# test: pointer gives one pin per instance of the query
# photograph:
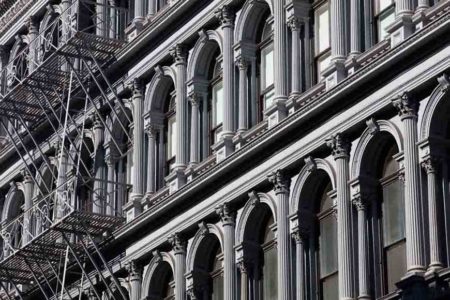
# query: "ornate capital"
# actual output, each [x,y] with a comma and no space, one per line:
[134,269]
[280,181]
[300,234]
[225,15]
[406,106]
[294,24]
[190,292]
[179,53]
[194,99]
[98,124]
[340,146]
[361,201]
[33,24]
[26,175]
[150,130]
[137,87]
[178,245]
[226,214]
[110,160]
[243,266]
[242,63]
[430,165]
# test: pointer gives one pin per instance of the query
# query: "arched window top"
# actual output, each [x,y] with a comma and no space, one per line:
[267,29]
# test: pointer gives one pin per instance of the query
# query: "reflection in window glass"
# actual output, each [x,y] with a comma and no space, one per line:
[268,66]
[218,104]
[385,19]
[172,140]
[328,246]
[323,41]
[393,213]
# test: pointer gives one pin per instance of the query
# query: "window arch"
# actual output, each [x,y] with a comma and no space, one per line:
[162,284]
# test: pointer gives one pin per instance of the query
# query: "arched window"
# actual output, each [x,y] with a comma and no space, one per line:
[216,104]
[322,40]
[392,213]
[266,66]
[327,242]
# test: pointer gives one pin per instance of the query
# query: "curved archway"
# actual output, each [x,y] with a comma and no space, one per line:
[158,283]
[249,18]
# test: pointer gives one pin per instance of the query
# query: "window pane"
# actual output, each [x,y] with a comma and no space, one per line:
[383,4]
[218,104]
[267,66]
[323,23]
[385,19]
[270,274]
[328,246]
[395,265]
[217,292]
[322,63]
[393,213]
[330,288]
[171,137]
[268,98]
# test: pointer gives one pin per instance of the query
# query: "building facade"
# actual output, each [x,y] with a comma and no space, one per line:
[225,149]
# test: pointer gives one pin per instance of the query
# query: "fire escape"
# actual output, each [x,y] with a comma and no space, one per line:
[51,94]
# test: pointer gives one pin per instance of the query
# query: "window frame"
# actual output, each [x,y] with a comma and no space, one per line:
[170,118]
[379,14]
[214,128]
[325,54]
[264,89]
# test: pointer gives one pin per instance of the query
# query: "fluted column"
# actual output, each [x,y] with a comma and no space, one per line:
[430,165]
[243,94]
[138,13]
[407,109]
[110,205]
[338,39]
[341,152]
[404,8]
[281,185]
[228,223]
[244,280]
[179,249]
[361,204]
[355,27]
[180,56]
[195,101]
[99,186]
[226,17]
[28,203]
[296,88]
[138,143]
[300,236]
[101,17]
[151,159]
[33,32]
[422,5]
[279,51]
[135,278]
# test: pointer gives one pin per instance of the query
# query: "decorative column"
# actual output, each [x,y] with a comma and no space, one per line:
[242,64]
[422,5]
[179,249]
[33,32]
[228,223]
[28,203]
[300,235]
[361,203]
[225,146]
[355,27]
[294,25]
[150,130]
[61,188]
[430,165]
[281,185]
[407,109]
[279,51]
[244,280]
[404,7]
[99,186]
[341,152]
[137,179]
[135,278]
[138,15]
[110,161]
[195,101]
[178,178]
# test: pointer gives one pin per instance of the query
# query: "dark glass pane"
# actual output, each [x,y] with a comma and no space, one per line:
[328,246]
[393,213]
[395,264]
[217,293]
[330,288]
[270,274]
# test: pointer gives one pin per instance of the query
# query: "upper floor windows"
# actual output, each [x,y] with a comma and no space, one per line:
[384,16]
[267,70]
[216,108]
[322,38]
[171,138]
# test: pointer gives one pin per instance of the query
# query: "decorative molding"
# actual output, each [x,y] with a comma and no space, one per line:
[340,146]
[406,106]
[280,181]
[178,245]
[225,15]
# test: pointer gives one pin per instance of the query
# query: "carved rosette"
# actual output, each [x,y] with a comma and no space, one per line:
[178,244]
[137,88]
[430,165]
[340,146]
[179,54]
[225,15]
[280,181]
[227,216]
[406,106]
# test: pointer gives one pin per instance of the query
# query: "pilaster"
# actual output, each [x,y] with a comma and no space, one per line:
[300,235]
[294,24]
[281,184]
[151,131]
[407,109]
[179,249]
[135,278]
[242,65]
[195,100]
[340,147]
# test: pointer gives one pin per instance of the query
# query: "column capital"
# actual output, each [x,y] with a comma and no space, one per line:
[280,181]
[26,175]
[361,201]
[406,106]
[98,124]
[179,53]
[137,87]
[32,24]
[110,160]
[134,269]
[194,99]
[177,243]
[226,214]
[151,130]
[300,234]
[226,15]
[430,164]
[340,146]
[242,63]
[294,24]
